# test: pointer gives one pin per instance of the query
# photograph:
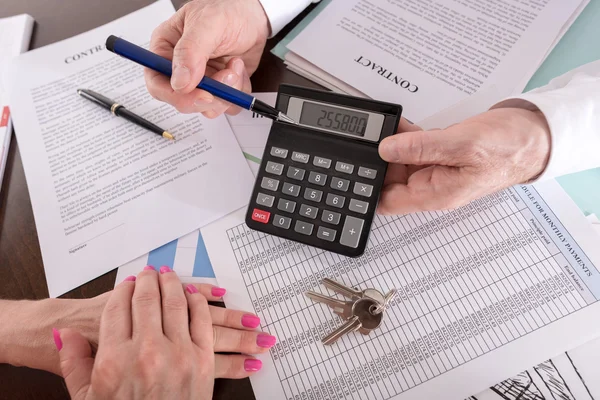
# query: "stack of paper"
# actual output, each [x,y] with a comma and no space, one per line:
[15,34]
[428,56]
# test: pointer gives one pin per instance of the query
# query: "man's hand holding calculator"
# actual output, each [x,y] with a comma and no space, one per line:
[428,170]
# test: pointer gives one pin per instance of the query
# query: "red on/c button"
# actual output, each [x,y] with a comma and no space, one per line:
[260,216]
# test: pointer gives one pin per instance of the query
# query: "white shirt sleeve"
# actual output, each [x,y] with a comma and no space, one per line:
[282,12]
[571,105]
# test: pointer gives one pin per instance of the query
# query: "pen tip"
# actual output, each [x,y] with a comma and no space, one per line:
[167,135]
[285,118]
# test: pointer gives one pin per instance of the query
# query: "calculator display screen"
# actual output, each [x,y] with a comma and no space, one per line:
[332,118]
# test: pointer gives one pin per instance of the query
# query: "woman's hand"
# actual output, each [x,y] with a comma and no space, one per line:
[146,346]
[445,169]
[223,39]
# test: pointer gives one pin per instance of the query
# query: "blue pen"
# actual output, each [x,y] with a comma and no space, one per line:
[160,64]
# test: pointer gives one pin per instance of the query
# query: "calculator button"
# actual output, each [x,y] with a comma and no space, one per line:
[282,222]
[313,195]
[277,152]
[300,157]
[367,173]
[295,173]
[363,189]
[274,168]
[286,205]
[269,184]
[340,184]
[344,167]
[291,190]
[260,216]
[317,179]
[335,200]
[358,206]
[331,217]
[265,200]
[308,211]
[322,162]
[326,234]
[351,232]
[303,227]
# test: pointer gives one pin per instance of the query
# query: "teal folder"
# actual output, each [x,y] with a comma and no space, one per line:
[578,46]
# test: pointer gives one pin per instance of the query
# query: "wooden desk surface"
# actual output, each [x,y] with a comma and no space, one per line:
[21,268]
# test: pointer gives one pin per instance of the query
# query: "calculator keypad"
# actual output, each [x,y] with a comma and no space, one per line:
[326,201]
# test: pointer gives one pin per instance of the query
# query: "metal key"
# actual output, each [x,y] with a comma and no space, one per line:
[353,293]
[361,320]
[340,307]
[378,309]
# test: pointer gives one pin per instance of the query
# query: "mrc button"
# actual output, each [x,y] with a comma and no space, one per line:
[260,216]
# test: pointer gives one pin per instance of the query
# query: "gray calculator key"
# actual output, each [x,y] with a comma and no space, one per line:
[286,205]
[269,184]
[308,211]
[291,190]
[326,234]
[303,227]
[281,221]
[362,189]
[313,195]
[317,178]
[322,162]
[265,200]
[277,152]
[295,173]
[300,157]
[351,232]
[340,184]
[358,206]
[367,173]
[344,167]
[331,217]
[335,201]
[274,168]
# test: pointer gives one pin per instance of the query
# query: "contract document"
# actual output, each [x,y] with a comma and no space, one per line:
[485,292]
[428,55]
[105,191]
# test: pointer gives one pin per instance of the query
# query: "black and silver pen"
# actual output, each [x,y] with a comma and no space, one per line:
[120,111]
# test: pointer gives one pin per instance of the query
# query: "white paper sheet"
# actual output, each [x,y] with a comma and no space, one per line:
[187,255]
[430,55]
[103,190]
[485,292]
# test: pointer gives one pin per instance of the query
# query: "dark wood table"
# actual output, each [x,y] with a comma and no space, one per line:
[21,268]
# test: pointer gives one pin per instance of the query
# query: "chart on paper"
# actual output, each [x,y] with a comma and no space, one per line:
[471,282]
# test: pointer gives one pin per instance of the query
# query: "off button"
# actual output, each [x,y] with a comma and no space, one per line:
[261,216]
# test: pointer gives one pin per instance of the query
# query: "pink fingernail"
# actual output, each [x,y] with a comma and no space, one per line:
[218,291]
[250,321]
[57,339]
[266,341]
[164,269]
[129,279]
[252,365]
[148,268]
[191,289]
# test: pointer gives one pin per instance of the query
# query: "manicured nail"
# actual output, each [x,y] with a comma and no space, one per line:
[201,101]
[164,269]
[230,79]
[57,340]
[149,268]
[238,67]
[218,291]
[250,321]
[266,341]
[129,279]
[388,150]
[181,77]
[252,365]
[191,289]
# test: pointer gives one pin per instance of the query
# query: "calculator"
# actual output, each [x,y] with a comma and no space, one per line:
[320,179]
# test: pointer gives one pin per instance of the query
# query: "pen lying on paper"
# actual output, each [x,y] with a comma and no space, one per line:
[160,64]
[121,111]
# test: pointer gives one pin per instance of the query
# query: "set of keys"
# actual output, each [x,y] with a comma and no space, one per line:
[363,311]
